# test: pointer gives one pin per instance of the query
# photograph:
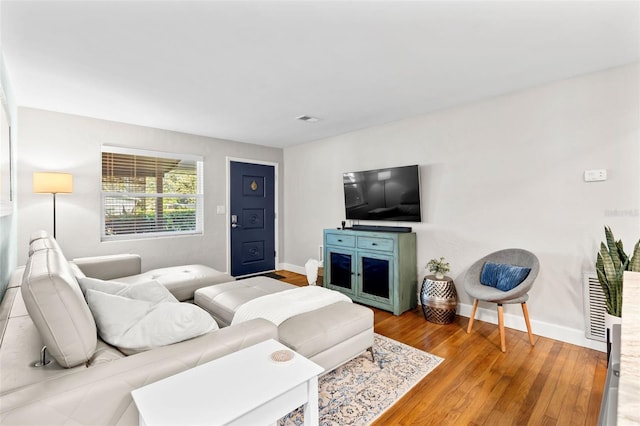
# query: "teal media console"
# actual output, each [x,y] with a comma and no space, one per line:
[373,268]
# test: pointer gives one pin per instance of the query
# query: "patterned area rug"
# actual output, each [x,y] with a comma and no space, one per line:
[359,391]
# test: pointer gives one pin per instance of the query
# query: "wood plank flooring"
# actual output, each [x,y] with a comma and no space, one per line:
[552,383]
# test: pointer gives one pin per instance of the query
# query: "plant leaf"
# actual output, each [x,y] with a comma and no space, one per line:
[624,259]
[608,265]
[634,263]
[618,290]
[612,247]
[604,284]
[612,277]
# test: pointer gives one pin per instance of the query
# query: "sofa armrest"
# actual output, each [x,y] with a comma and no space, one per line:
[111,266]
[101,395]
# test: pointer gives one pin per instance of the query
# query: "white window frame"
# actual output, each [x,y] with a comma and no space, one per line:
[199,196]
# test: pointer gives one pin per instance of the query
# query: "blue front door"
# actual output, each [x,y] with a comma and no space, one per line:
[252,214]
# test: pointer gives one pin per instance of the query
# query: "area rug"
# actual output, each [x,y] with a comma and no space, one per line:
[359,391]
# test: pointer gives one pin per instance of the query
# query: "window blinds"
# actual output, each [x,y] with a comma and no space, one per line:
[145,192]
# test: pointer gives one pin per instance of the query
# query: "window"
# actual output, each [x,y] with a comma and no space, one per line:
[146,193]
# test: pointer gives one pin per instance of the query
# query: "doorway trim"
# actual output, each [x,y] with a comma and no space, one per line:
[228,206]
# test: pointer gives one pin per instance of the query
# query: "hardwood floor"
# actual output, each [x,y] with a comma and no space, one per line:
[552,383]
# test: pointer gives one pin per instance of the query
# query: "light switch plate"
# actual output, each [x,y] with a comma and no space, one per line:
[220,210]
[595,175]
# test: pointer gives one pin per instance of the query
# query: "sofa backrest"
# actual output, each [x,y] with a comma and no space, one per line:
[56,305]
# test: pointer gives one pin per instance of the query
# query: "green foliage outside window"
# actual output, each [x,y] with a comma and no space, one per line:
[144,194]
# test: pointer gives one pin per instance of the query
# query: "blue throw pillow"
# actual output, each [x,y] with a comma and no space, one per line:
[503,277]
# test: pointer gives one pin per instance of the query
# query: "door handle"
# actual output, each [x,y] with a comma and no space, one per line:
[234,221]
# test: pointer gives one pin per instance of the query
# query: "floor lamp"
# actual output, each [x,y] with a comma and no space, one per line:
[52,183]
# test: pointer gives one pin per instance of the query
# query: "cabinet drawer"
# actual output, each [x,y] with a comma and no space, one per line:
[374,243]
[341,240]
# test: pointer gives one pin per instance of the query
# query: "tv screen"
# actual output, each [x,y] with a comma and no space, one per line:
[383,194]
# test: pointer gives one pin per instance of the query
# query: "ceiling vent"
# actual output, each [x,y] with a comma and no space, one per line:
[308,118]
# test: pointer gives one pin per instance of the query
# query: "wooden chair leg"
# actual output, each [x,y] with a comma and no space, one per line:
[525,312]
[473,315]
[503,344]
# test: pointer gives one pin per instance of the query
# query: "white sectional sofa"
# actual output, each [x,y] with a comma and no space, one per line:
[88,381]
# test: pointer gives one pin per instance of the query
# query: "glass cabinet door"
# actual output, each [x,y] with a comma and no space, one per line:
[341,269]
[376,276]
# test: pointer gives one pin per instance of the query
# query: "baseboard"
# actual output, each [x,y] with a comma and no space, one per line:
[540,328]
[292,268]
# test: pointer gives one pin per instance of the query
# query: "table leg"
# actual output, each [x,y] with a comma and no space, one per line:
[311,407]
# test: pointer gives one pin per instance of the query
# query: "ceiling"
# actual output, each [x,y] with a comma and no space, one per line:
[244,70]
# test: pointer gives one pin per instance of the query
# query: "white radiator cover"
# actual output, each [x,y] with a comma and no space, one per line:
[594,307]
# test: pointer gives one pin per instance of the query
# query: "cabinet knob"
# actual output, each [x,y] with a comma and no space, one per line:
[374,244]
[339,241]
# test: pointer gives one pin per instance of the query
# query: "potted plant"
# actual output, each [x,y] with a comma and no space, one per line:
[439,267]
[438,297]
[611,263]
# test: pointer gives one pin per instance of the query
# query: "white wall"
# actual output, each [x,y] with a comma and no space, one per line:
[51,141]
[506,172]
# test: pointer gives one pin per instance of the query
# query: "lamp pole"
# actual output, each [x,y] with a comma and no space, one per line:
[54,215]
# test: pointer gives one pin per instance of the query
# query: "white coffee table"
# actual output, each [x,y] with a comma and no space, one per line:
[243,388]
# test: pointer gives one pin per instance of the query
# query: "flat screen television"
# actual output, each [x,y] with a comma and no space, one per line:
[384,194]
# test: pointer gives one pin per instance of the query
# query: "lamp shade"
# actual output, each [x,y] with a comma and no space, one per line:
[52,183]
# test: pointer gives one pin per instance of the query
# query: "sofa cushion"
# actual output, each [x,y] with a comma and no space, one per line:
[39,234]
[55,303]
[316,331]
[135,325]
[43,244]
[223,300]
[151,291]
[77,272]
[104,354]
[181,281]
[111,287]
[110,267]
